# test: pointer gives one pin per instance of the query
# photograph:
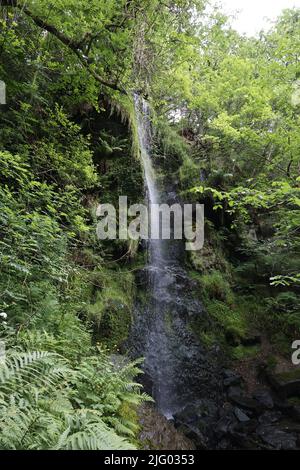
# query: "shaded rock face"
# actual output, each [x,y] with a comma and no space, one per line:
[260,421]
[276,437]
[159,433]
[178,369]
[241,421]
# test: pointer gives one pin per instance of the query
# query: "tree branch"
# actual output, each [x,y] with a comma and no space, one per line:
[74,46]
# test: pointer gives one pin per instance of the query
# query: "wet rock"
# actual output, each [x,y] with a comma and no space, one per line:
[197,413]
[187,416]
[240,415]
[195,435]
[231,381]
[224,444]
[141,276]
[270,417]
[246,403]
[286,384]
[276,438]
[247,427]
[228,373]
[265,398]
[234,391]
[289,426]
[231,378]
[147,383]
[284,406]
[295,412]
[291,388]
[242,441]
[197,422]
[225,425]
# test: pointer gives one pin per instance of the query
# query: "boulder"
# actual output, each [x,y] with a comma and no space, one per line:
[231,378]
[234,391]
[270,417]
[276,438]
[286,384]
[244,402]
[264,398]
[240,415]
[225,425]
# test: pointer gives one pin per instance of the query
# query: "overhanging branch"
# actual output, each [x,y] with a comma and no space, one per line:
[74,46]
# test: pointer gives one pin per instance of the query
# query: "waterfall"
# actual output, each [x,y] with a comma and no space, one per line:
[156,351]
[144,135]
[174,365]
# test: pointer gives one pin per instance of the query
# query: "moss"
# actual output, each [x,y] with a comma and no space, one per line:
[243,352]
[293,374]
[230,319]
[210,258]
[215,286]
[295,401]
[111,309]
[272,363]
[169,322]
[115,325]
[208,339]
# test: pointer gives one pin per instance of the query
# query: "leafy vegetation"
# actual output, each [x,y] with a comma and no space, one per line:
[226,114]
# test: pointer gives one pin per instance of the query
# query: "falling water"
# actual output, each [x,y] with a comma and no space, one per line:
[144,135]
[174,361]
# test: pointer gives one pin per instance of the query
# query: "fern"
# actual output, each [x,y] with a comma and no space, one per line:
[87,431]
[42,404]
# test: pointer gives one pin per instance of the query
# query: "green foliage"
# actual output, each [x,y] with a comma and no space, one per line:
[64,157]
[244,352]
[113,303]
[282,315]
[47,404]
[226,122]
[215,286]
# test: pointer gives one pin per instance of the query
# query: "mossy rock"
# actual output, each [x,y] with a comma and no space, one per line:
[287,384]
[293,374]
[214,286]
[115,324]
[233,336]
[209,259]
[244,352]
